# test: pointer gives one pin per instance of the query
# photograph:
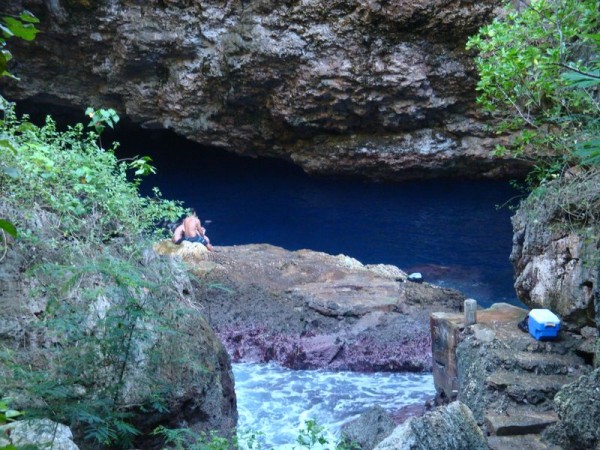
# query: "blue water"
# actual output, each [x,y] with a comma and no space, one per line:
[278,401]
[451,231]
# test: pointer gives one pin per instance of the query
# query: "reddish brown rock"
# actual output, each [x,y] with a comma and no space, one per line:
[308,309]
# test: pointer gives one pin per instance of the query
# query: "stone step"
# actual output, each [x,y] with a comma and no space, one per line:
[541,363]
[528,388]
[519,421]
[523,442]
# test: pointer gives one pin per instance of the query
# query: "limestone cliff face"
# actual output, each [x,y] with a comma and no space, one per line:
[343,87]
[556,248]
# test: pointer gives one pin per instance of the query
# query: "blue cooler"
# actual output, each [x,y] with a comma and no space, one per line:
[543,324]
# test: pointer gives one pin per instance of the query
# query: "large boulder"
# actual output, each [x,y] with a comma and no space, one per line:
[41,433]
[578,407]
[450,427]
[369,429]
[350,87]
[174,371]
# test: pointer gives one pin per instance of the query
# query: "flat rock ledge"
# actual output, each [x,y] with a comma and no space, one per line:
[308,310]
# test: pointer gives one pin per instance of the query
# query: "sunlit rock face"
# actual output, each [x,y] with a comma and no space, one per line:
[555,252]
[371,88]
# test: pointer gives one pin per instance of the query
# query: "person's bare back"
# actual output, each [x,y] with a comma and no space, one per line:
[193,231]
[192,226]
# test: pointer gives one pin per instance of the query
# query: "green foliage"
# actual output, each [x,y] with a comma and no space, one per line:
[87,187]
[311,436]
[186,439]
[22,27]
[101,118]
[538,72]
[102,309]
[7,414]
[7,227]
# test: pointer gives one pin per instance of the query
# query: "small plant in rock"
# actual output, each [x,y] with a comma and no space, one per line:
[186,439]
[313,436]
[8,414]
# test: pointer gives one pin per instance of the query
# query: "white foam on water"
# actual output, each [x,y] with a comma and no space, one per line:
[277,402]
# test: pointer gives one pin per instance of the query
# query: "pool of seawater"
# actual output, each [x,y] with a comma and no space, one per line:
[278,401]
[452,231]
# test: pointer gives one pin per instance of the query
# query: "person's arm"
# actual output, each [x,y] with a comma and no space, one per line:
[199,228]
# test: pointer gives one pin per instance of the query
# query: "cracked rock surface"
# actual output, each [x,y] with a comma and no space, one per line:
[362,88]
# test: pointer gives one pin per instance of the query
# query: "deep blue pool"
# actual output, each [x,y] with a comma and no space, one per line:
[451,231]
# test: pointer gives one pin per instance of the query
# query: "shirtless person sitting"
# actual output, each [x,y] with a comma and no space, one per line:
[193,231]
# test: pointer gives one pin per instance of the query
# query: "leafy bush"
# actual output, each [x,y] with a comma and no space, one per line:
[22,27]
[84,226]
[68,174]
[540,76]
[539,71]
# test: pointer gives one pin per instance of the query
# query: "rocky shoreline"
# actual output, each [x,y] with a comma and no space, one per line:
[311,310]
[308,310]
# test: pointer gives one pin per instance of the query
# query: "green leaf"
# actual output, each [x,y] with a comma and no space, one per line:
[594,37]
[588,152]
[8,227]
[25,31]
[6,31]
[582,80]
[26,16]
[12,172]
[5,55]
[26,126]
[8,144]
[11,413]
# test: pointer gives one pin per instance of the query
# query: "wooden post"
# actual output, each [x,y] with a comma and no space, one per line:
[470,312]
